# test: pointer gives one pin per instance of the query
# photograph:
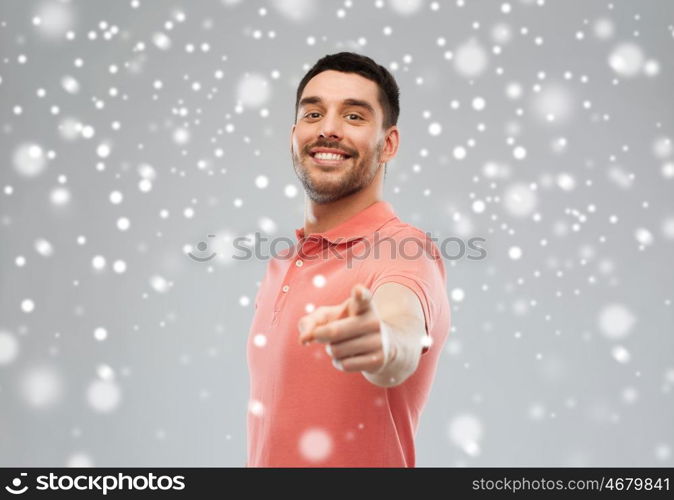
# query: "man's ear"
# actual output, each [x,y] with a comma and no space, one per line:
[393,137]
[292,131]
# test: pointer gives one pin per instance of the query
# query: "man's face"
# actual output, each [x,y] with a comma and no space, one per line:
[334,124]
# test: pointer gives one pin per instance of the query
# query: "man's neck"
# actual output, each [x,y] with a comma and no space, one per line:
[319,218]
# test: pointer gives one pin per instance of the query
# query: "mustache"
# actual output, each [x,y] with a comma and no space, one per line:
[307,151]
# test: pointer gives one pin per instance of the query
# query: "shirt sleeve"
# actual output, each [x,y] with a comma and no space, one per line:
[418,265]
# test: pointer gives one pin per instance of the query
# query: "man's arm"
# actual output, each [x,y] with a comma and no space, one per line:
[381,336]
[403,323]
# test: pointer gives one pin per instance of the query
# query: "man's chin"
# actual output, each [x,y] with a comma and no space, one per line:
[321,193]
[326,180]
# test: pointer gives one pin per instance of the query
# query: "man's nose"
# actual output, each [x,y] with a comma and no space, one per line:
[331,127]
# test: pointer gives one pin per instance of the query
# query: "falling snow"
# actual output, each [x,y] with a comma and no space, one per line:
[147,147]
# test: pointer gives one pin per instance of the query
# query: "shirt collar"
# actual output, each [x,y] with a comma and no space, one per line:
[365,222]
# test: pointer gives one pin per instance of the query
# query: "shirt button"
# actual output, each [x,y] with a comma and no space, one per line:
[285,288]
[299,263]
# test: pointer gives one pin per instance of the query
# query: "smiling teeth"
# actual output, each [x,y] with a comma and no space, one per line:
[329,156]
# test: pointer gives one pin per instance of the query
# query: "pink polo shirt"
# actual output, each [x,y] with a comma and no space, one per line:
[302,411]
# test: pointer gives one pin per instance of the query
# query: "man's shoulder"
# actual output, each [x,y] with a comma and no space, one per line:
[401,231]
[398,240]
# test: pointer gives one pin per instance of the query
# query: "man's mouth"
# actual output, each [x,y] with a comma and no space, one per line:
[329,158]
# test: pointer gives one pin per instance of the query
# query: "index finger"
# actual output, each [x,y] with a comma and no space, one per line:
[345,329]
[309,322]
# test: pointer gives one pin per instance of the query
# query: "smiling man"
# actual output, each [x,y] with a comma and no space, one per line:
[349,324]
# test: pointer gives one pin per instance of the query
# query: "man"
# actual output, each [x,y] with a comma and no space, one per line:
[350,323]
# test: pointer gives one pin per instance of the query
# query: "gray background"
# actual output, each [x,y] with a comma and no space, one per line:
[561,357]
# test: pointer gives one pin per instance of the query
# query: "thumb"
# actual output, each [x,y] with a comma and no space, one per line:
[360,300]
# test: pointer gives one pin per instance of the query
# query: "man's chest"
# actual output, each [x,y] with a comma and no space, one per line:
[290,289]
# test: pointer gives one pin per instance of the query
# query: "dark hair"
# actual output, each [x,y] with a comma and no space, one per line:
[350,62]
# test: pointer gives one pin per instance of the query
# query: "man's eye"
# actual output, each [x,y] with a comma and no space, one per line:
[315,113]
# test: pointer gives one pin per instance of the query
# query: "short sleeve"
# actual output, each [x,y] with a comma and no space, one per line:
[421,271]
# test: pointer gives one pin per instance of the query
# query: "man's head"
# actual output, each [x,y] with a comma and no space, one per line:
[348,103]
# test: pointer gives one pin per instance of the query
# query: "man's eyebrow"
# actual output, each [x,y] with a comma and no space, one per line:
[347,102]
